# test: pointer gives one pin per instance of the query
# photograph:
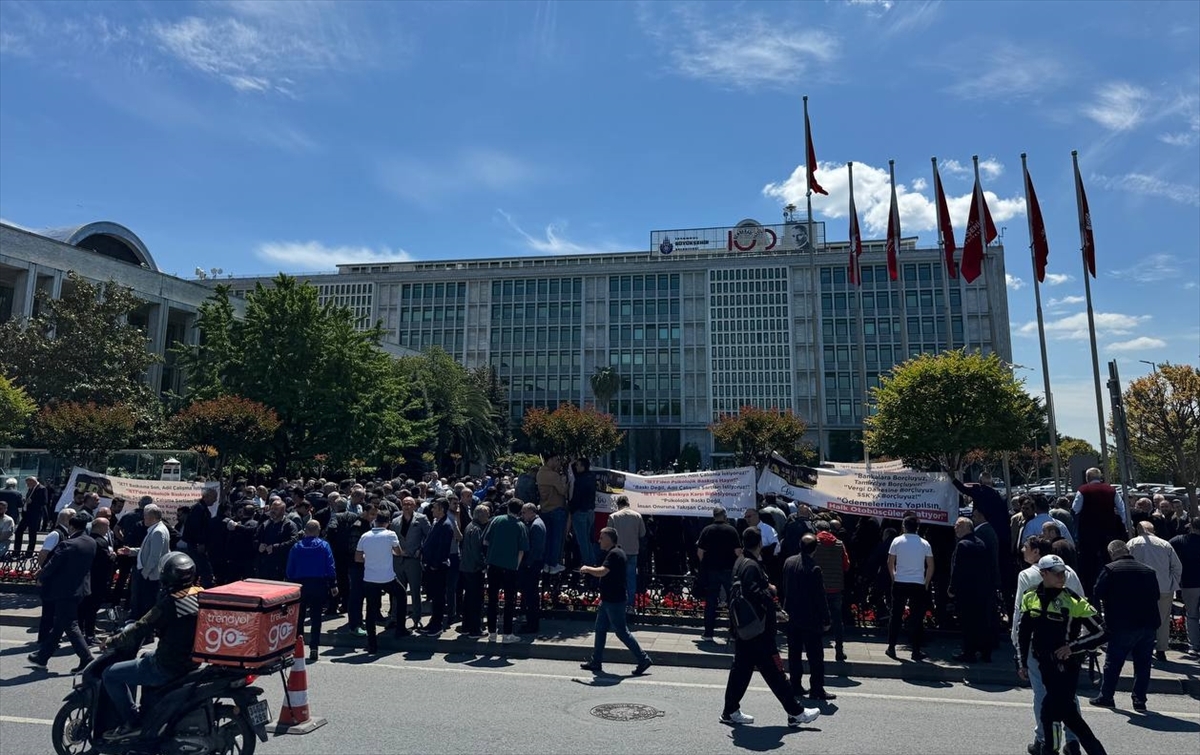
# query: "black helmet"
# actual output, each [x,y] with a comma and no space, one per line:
[176,572]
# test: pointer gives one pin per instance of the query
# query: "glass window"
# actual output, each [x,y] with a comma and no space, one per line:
[924,273]
[868,275]
[910,299]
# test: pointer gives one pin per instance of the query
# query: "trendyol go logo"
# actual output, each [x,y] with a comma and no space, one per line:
[216,638]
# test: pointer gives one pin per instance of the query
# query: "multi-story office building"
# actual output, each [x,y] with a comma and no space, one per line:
[34,266]
[707,321]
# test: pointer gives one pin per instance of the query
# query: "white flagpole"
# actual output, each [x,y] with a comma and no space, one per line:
[815,297]
[862,340]
[895,240]
[942,253]
[1087,290]
[1037,297]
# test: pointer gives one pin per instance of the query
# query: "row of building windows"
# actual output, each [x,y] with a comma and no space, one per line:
[540,311]
[737,300]
[729,406]
[624,309]
[751,371]
[637,284]
[751,351]
[449,340]
[749,274]
[722,392]
[433,290]
[626,334]
[748,288]
[876,276]
[744,318]
[925,301]
[660,357]
[535,361]
[537,287]
[875,328]
[553,336]
[568,384]
[432,314]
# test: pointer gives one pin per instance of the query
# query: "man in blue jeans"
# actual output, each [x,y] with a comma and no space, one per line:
[1129,592]
[310,564]
[610,614]
[631,530]
[583,511]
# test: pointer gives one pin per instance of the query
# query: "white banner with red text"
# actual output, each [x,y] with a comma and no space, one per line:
[167,495]
[686,494]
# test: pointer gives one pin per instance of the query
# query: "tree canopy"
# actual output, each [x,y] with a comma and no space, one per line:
[936,409]
[15,409]
[572,431]
[84,433]
[753,433]
[1162,413]
[232,425]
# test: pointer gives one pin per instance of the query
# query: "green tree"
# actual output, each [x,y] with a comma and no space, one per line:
[207,365]
[15,409]
[235,427]
[1069,447]
[1162,413]
[83,348]
[84,434]
[936,409]
[606,383]
[572,431]
[753,433]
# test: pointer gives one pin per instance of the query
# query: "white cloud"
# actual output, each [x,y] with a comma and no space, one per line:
[742,53]
[919,184]
[1153,268]
[427,181]
[1067,301]
[1151,186]
[1075,326]
[1118,106]
[1014,283]
[1141,343]
[309,256]
[554,242]
[1190,285]
[988,168]
[872,196]
[1007,72]
[1057,279]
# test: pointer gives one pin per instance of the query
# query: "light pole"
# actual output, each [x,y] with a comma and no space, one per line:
[1153,365]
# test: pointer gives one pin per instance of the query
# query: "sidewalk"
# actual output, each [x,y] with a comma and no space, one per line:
[571,640]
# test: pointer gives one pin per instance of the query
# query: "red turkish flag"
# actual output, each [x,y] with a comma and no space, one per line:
[973,244]
[855,242]
[811,157]
[1085,226]
[893,238]
[1037,225]
[948,246]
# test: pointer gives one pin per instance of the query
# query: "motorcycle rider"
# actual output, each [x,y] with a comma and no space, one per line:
[173,621]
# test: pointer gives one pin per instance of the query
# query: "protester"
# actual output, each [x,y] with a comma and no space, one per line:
[36,501]
[972,587]
[758,652]
[310,564]
[610,613]
[530,572]
[631,530]
[1128,591]
[834,561]
[1187,547]
[552,494]
[1099,518]
[1056,627]
[717,549]
[804,601]
[376,551]
[65,581]
[435,561]
[6,529]
[505,542]
[411,527]
[910,562]
[472,567]
[1151,550]
[148,559]
[100,580]
[583,510]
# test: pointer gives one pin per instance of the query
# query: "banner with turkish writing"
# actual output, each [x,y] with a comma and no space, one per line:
[686,494]
[167,495]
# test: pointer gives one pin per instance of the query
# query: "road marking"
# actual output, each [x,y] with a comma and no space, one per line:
[700,685]
[24,720]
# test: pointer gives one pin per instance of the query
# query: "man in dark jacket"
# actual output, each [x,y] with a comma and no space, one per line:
[1187,547]
[1129,592]
[241,544]
[718,547]
[583,511]
[1099,518]
[471,568]
[337,532]
[65,581]
[759,652]
[276,537]
[37,499]
[435,561]
[530,572]
[100,580]
[808,619]
[195,531]
[972,587]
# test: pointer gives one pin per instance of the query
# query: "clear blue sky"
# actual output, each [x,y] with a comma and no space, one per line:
[260,136]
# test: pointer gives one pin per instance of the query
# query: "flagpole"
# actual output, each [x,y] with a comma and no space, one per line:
[937,183]
[862,341]
[899,272]
[1087,290]
[815,296]
[1037,298]
[993,326]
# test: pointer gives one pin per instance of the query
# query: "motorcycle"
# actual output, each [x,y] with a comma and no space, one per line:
[210,711]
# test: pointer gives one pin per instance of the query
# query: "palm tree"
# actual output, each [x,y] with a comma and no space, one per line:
[606,383]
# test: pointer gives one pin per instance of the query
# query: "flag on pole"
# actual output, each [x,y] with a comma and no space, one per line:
[893,236]
[946,226]
[855,237]
[974,243]
[1037,231]
[811,157]
[1085,225]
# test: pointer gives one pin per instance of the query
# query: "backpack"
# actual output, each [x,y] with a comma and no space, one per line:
[744,618]
[527,488]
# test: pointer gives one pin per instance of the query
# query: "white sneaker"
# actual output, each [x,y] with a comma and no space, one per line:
[492,637]
[736,718]
[509,639]
[557,568]
[807,717]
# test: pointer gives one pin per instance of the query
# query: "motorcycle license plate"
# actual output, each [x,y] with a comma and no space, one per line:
[259,712]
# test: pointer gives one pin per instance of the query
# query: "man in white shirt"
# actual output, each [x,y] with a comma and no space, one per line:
[376,551]
[770,538]
[630,532]
[1151,550]
[910,561]
[6,529]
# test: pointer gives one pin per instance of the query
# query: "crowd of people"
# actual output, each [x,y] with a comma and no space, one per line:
[445,551]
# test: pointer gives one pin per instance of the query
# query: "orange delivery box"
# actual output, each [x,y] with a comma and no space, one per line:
[247,624]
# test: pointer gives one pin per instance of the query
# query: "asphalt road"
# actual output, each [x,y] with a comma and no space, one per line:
[455,704]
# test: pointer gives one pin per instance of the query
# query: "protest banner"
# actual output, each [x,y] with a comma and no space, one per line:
[168,496]
[687,494]
[888,490]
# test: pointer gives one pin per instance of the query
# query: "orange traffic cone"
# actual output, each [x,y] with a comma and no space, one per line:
[294,717]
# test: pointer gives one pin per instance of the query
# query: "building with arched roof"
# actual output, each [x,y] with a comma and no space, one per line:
[34,266]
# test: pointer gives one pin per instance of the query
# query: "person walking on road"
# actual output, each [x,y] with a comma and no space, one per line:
[760,651]
[1057,626]
[610,614]
[910,561]
[65,581]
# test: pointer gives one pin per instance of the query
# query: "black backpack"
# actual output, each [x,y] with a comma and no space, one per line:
[745,620]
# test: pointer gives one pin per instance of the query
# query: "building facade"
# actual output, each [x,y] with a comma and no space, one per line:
[708,321]
[34,266]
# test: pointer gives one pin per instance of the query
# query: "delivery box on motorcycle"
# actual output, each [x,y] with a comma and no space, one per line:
[248,624]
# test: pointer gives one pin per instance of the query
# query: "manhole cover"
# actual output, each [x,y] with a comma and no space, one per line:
[626,712]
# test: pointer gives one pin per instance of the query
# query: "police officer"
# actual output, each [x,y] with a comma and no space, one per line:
[1056,627]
